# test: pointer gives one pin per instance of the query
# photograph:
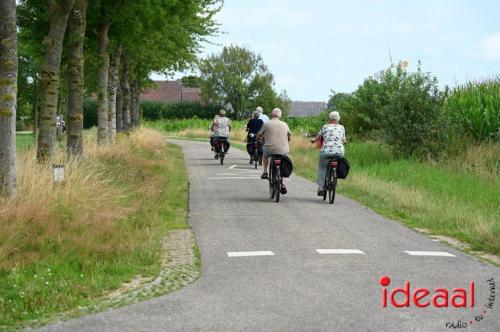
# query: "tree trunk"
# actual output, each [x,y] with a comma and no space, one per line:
[36,110]
[8,97]
[119,106]
[53,42]
[102,85]
[112,87]
[76,34]
[126,96]
[135,107]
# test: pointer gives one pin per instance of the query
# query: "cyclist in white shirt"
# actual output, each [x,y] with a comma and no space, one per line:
[221,128]
[333,137]
[262,116]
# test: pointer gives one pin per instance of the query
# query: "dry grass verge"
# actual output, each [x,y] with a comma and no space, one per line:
[64,246]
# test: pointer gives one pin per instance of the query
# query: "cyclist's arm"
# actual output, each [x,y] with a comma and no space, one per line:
[317,138]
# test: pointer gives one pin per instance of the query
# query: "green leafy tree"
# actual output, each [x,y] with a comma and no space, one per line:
[190,81]
[237,76]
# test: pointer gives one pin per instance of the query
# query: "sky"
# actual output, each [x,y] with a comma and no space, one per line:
[315,46]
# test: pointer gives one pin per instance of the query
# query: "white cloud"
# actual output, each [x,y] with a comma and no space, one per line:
[491,46]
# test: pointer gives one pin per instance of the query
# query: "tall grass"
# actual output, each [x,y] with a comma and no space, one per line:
[475,107]
[62,246]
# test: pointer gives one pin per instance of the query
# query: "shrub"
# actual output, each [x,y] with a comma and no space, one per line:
[155,110]
[475,109]
[361,111]
[413,120]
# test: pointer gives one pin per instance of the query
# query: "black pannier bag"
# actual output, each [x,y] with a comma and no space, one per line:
[221,142]
[286,166]
[250,148]
[342,168]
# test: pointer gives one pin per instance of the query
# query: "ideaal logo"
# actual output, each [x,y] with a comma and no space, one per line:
[439,298]
[423,297]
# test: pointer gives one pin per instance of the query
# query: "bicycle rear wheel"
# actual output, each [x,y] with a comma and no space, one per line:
[221,157]
[333,186]
[255,159]
[277,184]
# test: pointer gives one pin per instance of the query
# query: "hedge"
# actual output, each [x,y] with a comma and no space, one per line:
[155,110]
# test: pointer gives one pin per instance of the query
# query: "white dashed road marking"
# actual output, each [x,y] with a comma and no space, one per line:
[340,251]
[231,167]
[234,177]
[249,253]
[429,253]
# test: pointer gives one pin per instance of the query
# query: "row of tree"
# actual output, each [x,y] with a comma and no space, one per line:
[106,49]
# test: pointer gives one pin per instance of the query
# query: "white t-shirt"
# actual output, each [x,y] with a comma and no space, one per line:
[263,117]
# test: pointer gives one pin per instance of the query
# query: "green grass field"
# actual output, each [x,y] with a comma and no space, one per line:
[24,141]
[446,201]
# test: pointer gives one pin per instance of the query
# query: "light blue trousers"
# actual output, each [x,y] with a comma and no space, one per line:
[322,164]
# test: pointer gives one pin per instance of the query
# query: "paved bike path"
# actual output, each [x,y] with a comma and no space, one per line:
[296,288]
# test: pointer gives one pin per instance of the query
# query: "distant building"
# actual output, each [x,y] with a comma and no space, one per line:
[171,91]
[299,109]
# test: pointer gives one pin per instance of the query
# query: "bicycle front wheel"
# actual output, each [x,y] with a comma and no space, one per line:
[333,187]
[271,183]
[277,184]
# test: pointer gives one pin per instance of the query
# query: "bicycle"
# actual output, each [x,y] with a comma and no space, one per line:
[275,178]
[219,149]
[330,180]
[257,154]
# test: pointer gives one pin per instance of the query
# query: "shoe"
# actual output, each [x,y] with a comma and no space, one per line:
[212,148]
[216,156]
[264,176]
[283,189]
[321,192]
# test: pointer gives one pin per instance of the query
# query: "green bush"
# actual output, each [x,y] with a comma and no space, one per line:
[155,110]
[361,111]
[412,120]
[475,109]
[89,113]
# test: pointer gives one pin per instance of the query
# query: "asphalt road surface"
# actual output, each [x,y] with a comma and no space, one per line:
[301,265]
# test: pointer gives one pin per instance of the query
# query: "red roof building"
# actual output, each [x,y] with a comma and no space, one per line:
[171,91]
